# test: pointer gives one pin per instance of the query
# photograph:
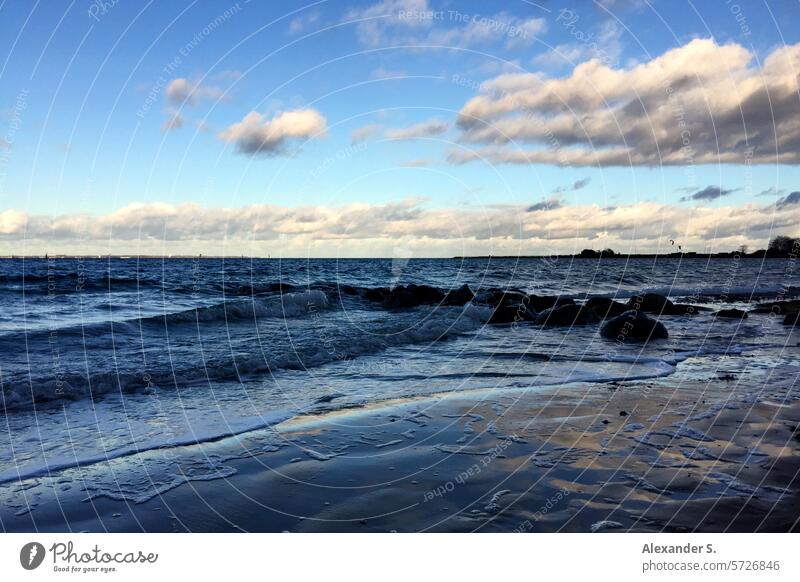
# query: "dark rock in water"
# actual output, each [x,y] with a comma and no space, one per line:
[511,306]
[243,290]
[605,307]
[534,303]
[566,316]
[731,313]
[460,296]
[681,309]
[792,319]
[378,294]
[651,303]
[403,297]
[778,307]
[328,398]
[542,302]
[633,325]
[655,303]
[281,287]
[495,297]
[347,289]
[512,313]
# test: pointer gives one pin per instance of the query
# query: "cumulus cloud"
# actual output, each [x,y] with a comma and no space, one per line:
[179,91]
[174,121]
[708,193]
[428,128]
[416,22]
[4,144]
[182,91]
[257,135]
[696,104]
[365,132]
[362,228]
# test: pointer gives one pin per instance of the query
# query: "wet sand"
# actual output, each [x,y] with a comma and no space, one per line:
[660,455]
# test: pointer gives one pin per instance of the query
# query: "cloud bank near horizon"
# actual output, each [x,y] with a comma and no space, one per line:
[362,229]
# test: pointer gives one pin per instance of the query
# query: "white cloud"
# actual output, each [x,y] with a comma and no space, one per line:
[174,121]
[12,222]
[415,22]
[256,134]
[376,21]
[428,128]
[699,103]
[182,91]
[605,46]
[304,22]
[480,30]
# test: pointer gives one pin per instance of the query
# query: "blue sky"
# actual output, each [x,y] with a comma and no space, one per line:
[92,121]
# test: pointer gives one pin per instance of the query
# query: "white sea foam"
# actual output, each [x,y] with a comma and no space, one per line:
[69,461]
[708,291]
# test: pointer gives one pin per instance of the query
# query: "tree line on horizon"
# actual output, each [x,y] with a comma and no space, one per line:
[778,247]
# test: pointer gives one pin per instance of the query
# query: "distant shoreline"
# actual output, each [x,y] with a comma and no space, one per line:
[638,256]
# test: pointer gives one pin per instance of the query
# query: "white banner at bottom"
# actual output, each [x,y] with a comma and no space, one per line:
[355,557]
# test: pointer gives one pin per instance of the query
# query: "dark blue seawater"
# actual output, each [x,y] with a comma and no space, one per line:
[105,361]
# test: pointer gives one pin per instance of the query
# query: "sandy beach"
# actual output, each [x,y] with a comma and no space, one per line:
[673,454]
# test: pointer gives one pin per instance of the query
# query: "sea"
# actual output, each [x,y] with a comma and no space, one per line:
[115,372]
